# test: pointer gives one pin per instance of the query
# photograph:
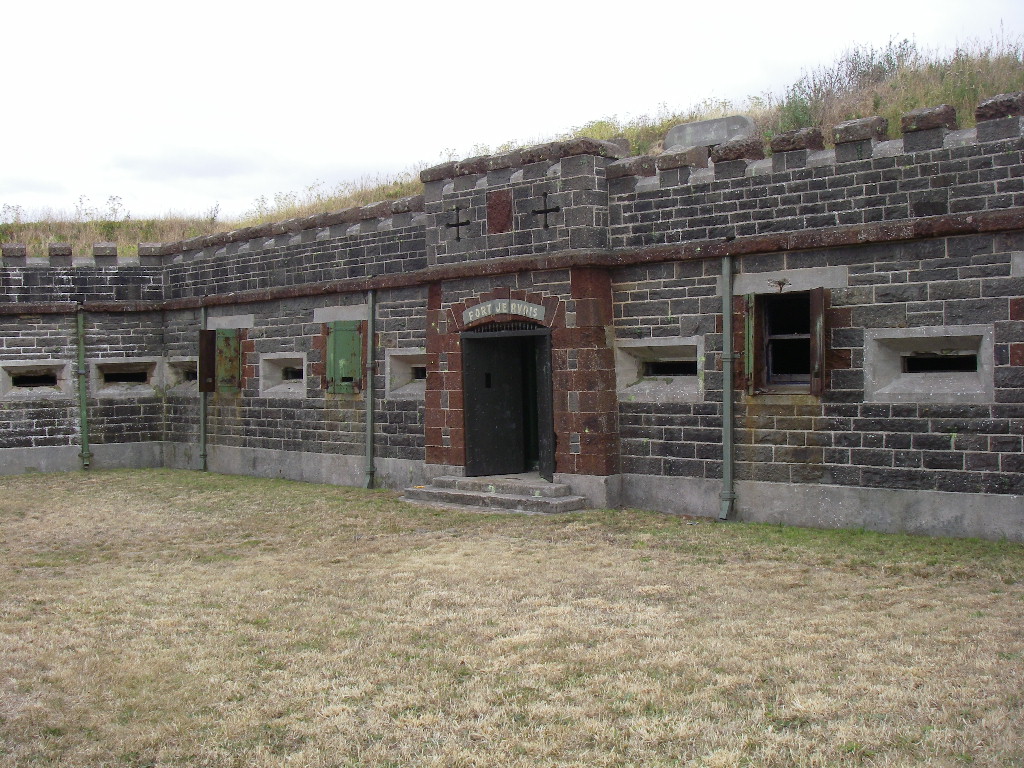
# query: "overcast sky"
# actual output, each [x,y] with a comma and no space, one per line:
[186,105]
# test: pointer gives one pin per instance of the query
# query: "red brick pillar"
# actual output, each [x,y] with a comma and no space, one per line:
[586,407]
[444,425]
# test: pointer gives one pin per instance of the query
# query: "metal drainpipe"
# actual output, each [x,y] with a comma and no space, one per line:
[83,392]
[371,332]
[728,489]
[202,403]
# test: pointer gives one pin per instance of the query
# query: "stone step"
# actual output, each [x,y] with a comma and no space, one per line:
[512,485]
[487,500]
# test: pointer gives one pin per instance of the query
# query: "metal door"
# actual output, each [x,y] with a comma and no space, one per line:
[492,371]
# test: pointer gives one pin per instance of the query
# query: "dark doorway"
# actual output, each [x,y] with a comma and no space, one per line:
[507,395]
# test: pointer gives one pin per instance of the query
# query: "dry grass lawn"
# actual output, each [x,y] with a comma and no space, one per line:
[170,618]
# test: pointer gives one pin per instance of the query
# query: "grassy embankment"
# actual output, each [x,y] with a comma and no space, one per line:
[158,618]
[864,81]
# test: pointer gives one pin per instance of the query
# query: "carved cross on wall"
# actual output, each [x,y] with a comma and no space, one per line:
[546,210]
[458,223]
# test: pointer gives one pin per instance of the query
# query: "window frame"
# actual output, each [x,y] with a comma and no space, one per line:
[756,341]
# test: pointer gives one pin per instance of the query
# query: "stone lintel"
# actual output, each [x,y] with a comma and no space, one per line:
[632,166]
[751,148]
[929,118]
[1003,105]
[802,138]
[864,129]
[694,157]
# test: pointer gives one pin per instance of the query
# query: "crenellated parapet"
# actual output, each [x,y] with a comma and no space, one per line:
[582,198]
[924,129]
[376,217]
[351,222]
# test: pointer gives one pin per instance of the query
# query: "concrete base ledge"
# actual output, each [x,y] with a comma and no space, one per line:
[65,458]
[930,513]
[327,468]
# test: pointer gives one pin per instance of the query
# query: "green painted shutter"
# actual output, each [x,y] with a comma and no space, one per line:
[344,357]
[229,361]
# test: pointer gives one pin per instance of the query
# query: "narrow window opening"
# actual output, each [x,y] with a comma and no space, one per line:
[31,379]
[190,374]
[938,363]
[128,376]
[670,368]
[419,372]
[787,325]
[289,373]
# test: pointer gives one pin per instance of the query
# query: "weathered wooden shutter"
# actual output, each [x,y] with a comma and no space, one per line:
[819,340]
[751,354]
[229,361]
[207,361]
[344,357]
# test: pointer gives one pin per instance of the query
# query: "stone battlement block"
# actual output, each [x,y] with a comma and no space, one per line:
[926,128]
[60,254]
[14,254]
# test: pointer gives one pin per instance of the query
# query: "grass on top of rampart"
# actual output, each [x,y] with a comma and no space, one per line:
[863,81]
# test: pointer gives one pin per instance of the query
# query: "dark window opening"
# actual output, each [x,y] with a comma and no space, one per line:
[190,374]
[925,363]
[30,379]
[125,376]
[787,333]
[419,372]
[670,368]
[290,373]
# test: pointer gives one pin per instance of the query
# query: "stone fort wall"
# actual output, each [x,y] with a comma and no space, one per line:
[914,246]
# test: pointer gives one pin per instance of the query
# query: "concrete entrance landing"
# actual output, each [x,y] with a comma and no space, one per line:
[511,493]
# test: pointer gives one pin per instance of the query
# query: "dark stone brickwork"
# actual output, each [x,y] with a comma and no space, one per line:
[958,180]
[840,439]
[574,185]
[305,258]
[39,283]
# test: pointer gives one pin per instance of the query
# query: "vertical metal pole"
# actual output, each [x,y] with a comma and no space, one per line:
[83,392]
[728,487]
[202,403]
[370,366]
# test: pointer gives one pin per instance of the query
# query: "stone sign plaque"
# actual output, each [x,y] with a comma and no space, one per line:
[503,307]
